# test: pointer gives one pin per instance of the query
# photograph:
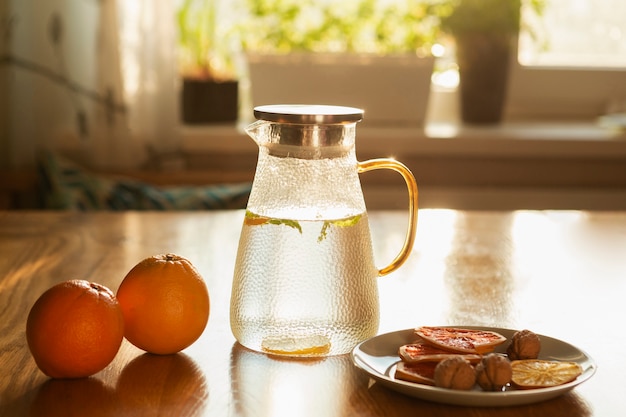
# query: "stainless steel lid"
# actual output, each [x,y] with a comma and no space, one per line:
[308,114]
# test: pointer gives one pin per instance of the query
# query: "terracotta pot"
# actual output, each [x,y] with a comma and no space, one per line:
[484,71]
[209,101]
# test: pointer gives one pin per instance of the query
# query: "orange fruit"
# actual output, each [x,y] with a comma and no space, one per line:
[461,340]
[165,304]
[74,329]
[536,373]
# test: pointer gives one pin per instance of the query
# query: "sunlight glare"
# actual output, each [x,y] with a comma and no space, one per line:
[435,234]
[297,380]
[535,237]
[285,388]
[447,79]
[438,50]
[130,13]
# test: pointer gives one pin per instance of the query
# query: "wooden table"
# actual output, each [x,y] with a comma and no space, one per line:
[561,274]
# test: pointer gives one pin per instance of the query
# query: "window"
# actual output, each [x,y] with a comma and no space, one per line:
[576,33]
[572,62]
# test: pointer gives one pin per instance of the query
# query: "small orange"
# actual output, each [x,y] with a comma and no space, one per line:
[74,329]
[165,304]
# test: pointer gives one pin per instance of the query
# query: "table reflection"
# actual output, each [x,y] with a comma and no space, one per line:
[477,278]
[277,386]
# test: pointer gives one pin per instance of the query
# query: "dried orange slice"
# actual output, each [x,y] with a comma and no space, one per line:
[421,351]
[536,373]
[420,372]
[419,347]
[461,340]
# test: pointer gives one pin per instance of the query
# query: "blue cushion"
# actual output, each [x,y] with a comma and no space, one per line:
[65,185]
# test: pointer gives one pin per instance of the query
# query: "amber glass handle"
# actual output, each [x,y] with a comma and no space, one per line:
[387,163]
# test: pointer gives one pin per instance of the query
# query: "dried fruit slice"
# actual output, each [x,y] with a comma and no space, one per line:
[535,373]
[421,351]
[419,347]
[420,372]
[461,340]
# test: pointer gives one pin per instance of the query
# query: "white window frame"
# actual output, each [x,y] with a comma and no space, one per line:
[544,91]
[563,93]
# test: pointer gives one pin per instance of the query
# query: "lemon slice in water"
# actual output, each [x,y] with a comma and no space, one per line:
[317,345]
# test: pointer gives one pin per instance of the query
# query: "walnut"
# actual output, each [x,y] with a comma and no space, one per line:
[455,373]
[493,372]
[524,345]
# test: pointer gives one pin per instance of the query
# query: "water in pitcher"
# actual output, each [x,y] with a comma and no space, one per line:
[304,287]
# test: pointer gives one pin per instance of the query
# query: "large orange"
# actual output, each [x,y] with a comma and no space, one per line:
[165,303]
[74,329]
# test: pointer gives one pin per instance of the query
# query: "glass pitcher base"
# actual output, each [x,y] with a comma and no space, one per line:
[309,345]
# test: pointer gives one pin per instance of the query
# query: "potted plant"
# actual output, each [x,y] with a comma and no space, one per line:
[485,34]
[209,83]
[366,53]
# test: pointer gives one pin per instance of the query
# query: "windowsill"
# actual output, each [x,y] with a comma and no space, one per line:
[521,165]
[566,139]
[444,134]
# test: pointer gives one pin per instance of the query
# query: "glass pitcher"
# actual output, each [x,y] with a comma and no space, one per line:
[305,280]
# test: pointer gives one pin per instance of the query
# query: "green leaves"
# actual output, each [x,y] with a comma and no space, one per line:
[359,26]
[252,219]
[203,51]
[350,221]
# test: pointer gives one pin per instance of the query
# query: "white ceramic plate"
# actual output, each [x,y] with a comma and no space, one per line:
[378,357]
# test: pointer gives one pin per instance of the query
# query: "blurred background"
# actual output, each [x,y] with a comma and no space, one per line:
[493,104]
